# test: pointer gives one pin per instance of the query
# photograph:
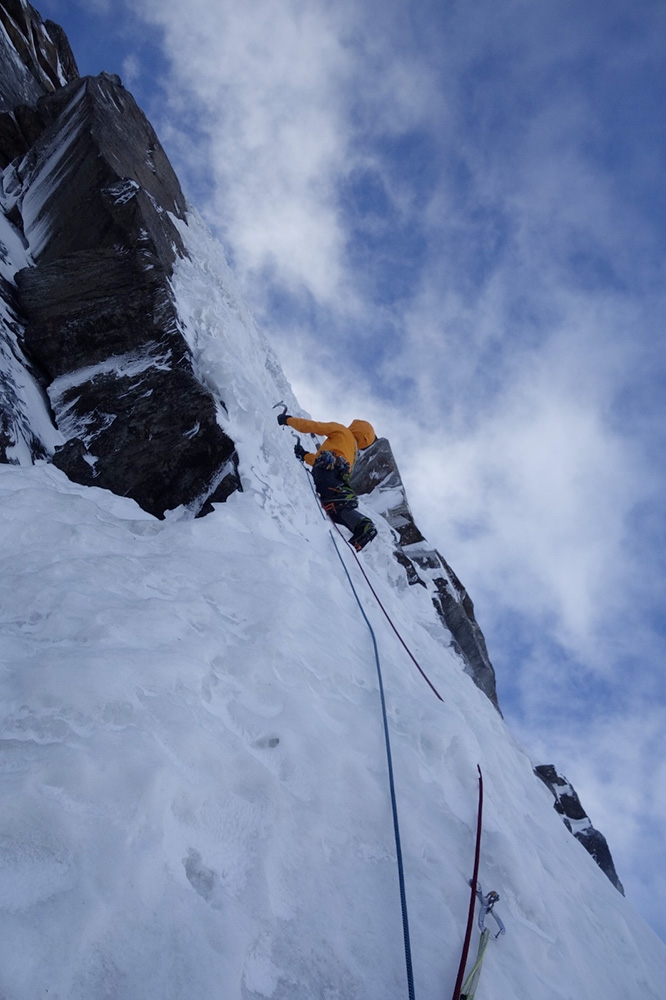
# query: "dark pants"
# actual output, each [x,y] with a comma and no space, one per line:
[331,478]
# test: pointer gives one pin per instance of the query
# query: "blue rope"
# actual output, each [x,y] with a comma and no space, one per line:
[394,806]
[389,761]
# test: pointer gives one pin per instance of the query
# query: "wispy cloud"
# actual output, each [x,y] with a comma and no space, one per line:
[268,81]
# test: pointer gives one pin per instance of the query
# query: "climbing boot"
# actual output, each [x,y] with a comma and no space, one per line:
[364,532]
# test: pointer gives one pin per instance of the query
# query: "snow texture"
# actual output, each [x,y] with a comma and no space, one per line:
[194,781]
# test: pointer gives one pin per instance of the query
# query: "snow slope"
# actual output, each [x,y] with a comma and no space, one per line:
[194,781]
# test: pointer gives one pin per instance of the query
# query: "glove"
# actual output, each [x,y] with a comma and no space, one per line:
[299,451]
[282,418]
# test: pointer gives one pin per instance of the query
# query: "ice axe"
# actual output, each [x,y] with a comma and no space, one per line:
[283,423]
[293,432]
[284,410]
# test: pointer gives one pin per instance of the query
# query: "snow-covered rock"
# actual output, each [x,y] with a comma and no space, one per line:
[95,204]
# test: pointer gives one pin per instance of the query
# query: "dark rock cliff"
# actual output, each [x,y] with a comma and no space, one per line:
[92,196]
[35,58]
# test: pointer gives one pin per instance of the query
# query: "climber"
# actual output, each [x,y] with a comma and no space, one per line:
[332,465]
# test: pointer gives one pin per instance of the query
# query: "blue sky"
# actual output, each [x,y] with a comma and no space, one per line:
[450,218]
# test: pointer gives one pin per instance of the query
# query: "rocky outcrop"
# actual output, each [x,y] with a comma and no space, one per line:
[35,59]
[120,381]
[92,198]
[97,177]
[376,477]
[568,805]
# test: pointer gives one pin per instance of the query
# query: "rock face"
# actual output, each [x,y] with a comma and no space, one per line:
[35,58]
[89,192]
[377,478]
[568,805]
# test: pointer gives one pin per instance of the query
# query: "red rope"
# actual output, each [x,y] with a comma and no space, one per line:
[388,618]
[472,899]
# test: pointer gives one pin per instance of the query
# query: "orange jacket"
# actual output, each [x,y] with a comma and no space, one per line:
[342,440]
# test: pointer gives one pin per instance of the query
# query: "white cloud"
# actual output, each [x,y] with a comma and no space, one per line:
[267,81]
[131,71]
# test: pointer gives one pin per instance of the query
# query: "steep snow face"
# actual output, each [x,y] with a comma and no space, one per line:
[194,779]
